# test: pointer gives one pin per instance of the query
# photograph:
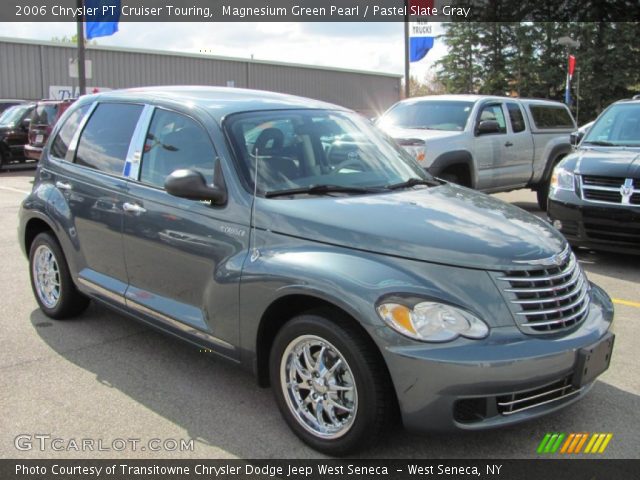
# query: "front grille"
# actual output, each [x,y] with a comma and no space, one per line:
[613,233]
[614,190]
[598,181]
[521,401]
[603,196]
[548,299]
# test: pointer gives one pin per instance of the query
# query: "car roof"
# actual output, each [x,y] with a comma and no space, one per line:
[218,101]
[475,98]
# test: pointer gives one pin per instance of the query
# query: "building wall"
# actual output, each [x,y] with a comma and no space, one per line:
[28,68]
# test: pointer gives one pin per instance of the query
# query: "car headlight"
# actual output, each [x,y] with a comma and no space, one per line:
[432,322]
[562,179]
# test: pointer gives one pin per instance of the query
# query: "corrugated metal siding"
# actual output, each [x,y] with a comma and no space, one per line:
[21,75]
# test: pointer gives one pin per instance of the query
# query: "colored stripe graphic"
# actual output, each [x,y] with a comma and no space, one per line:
[573,443]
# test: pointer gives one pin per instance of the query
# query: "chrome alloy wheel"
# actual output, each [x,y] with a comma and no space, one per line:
[46,276]
[318,386]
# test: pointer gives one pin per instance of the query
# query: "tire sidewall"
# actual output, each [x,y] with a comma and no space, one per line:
[66,284]
[312,324]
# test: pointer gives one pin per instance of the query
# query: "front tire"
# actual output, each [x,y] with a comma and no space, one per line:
[55,292]
[330,384]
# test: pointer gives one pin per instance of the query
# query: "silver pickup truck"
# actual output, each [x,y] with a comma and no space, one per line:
[493,144]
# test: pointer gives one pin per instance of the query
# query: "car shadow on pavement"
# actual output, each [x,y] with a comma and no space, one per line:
[615,265]
[220,405]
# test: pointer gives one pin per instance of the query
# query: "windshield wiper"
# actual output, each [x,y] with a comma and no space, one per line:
[323,190]
[600,143]
[412,182]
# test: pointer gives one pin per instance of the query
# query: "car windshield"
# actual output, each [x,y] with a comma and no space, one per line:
[45,114]
[428,114]
[11,116]
[617,126]
[318,152]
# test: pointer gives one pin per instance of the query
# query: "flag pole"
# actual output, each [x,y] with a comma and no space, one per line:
[407,81]
[82,81]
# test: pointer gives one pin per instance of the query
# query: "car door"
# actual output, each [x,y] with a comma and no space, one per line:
[183,257]
[518,166]
[490,149]
[87,159]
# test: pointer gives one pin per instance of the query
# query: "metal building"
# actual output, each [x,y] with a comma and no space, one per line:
[36,69]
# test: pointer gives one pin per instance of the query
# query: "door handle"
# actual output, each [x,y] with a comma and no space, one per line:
[133,208]
[63,185]
[508,144]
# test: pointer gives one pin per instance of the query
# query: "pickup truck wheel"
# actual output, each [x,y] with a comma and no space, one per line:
[51,281]
[542,193]
[450,177]
[329,384]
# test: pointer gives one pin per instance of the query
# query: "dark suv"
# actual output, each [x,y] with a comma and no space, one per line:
[294,238]
[595,197]
[14,128]
[45,116]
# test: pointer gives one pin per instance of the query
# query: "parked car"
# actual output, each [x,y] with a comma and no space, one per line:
[9,102]
[14,127]
[316,254]
[45,116]
[595,195]
[492,144]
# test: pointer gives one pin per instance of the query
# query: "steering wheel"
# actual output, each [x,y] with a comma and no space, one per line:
[349,162]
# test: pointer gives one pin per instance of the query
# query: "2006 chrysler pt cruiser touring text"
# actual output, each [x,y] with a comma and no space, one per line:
[294,238]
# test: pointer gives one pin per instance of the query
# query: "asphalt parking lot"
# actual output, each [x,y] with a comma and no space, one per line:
[104,376]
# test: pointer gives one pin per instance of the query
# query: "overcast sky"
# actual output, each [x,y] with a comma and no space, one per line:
[364,46]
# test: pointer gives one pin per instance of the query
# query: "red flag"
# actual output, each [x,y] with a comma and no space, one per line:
[572,65]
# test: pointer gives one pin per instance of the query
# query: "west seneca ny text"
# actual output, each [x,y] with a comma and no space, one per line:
[267,471]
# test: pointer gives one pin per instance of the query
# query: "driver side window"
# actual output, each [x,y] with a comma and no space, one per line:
[494,112]
[175,141]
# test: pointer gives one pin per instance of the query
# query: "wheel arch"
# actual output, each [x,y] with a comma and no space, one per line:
[457,161]
[286,307]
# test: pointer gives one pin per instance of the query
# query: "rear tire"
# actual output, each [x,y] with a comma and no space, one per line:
[51,281]
[330,384]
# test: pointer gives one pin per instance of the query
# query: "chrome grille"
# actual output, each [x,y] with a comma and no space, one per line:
[616,190]
[548,298]
[521,401]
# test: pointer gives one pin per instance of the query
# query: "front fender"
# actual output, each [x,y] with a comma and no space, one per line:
[354,281]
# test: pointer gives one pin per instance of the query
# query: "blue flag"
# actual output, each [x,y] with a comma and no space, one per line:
[105,21]
[419,47]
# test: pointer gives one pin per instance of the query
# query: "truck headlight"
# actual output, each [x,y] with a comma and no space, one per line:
[416,148]
[562,179]
[432,321]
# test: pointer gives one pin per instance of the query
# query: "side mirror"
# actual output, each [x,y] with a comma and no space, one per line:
[576,137]
[25,124]
[190,184]
[487,126]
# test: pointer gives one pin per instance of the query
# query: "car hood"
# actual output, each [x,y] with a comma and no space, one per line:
[445,224]
[422,134]
[608,162]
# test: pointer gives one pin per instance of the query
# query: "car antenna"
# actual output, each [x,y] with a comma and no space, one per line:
[255,253]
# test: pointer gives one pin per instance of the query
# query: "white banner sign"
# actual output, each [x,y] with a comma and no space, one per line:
[59,92]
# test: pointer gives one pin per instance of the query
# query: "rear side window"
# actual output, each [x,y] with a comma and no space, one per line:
[515,115]
[61,143]
[174,142]
[45,114]
[105,140]
[551,116]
